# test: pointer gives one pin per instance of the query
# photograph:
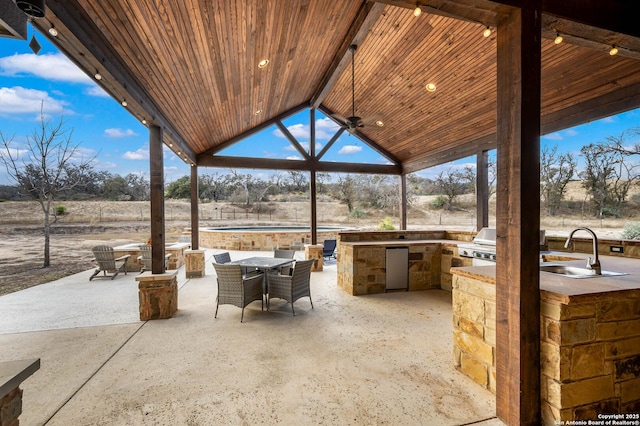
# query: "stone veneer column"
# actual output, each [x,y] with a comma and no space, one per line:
[314,251]
[158,295]
[194,263]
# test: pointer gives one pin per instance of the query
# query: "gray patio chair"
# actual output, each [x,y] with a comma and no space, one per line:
[234,289]
[284,254]
[329,249]
[292,287]
[145,257]
[108,263]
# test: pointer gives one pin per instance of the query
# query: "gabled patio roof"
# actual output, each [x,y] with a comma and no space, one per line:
[191,67]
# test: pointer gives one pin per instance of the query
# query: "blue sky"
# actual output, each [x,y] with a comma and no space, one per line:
[119,142]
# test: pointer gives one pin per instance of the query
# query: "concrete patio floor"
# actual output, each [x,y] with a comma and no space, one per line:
[378,359]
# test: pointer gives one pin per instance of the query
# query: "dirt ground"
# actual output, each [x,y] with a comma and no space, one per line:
[90,223]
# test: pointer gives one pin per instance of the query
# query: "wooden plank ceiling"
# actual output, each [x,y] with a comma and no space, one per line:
[192,67]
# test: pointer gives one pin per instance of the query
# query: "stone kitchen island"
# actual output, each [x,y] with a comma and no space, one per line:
[362,259]
[590,337]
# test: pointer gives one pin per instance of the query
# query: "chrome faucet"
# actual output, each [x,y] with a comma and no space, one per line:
[595,264]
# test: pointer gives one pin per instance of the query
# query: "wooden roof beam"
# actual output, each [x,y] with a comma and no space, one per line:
[253,130]
[287,134]
[366,17]
[309,165]
[369,142]
[621,100]
[86,35]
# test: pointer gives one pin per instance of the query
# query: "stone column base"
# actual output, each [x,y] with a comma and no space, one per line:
[194,263]
[158,295]
[314,251]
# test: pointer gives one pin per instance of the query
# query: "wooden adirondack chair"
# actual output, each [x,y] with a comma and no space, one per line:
[108,263]
[145,257]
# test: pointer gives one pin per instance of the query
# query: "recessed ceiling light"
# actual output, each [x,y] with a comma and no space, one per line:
[431,87]
[613,51]
[558,39]
[486,32]
[258,112]
[124,103]
[98,76]
[53,31]
[380,123]
[263,63]
[144,121]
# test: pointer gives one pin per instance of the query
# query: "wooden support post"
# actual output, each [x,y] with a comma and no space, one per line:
[518,218]
[195,199]
[312,178]
[156,165]
[482,190]
[403,201]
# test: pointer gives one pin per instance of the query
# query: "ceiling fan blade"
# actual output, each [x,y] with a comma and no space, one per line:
[340,119]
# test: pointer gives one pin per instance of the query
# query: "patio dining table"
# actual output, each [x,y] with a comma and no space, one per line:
[264,264]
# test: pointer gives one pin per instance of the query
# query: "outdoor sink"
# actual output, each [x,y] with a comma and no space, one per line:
[575,272]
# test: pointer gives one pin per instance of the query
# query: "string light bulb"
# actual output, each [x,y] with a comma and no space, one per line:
[558,39]
[613,51]
[124,103]
[417,11]
[486,32]
[98,76]
[53,31]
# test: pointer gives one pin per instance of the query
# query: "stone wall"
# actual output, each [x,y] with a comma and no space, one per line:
[474,329]
[590,356]
[590,348]
[260,240]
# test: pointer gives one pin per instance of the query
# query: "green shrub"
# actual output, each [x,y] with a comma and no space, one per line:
[357,213]
[60,210]
[386,225]
[439,202]
[631,231]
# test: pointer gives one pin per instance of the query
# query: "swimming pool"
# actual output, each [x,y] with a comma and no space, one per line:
[264,237]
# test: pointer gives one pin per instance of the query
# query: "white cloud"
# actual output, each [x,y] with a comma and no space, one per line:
[555,136]
[119,133]
[96,91]
[139,154]
[325,129]
[18,100]
[350,149]
[304,145]
[571,132]
[293,157]
[51,66]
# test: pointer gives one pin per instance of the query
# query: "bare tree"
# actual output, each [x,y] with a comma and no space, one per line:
[346,191]
[596,178]
[43,168]
[452,183]
[556,171]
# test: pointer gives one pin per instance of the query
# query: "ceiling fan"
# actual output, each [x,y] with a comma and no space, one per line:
[354,122]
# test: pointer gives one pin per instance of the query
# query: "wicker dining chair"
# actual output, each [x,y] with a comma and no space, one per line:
[292,287]
[234,289]
[284,254]
[222,257]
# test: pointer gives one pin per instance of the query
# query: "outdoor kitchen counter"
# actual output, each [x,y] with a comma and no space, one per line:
[589,343]
[572,289]
[362,264]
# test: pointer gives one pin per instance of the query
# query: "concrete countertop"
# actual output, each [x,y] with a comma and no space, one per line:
[566,288]
[12,373]
[391,243]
